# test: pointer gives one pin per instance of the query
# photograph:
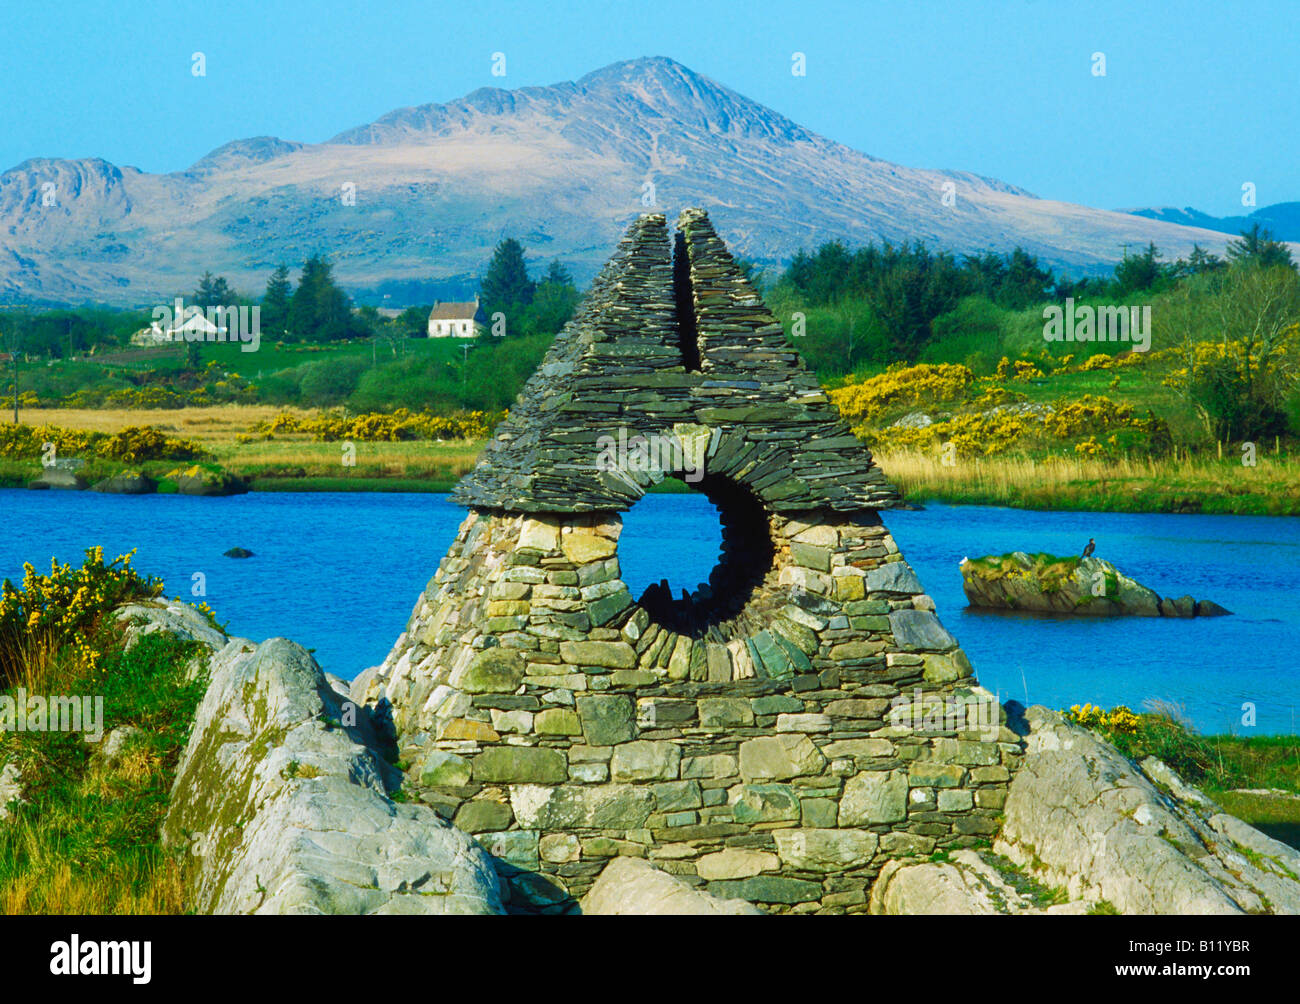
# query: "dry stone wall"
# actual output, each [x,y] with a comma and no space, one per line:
[781,758]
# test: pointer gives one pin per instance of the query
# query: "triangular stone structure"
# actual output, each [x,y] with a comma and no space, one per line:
[674,343]
[779,734]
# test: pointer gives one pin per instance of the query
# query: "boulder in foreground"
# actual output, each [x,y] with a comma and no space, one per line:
[633,886]
[282,804]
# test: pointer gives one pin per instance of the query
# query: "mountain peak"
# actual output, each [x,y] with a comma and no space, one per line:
[561,167]
[634,95]
[241,152]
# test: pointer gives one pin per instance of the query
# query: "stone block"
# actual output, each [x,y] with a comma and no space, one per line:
[493,670]
[779,758]
[438,769]
[825,850]
[928,774]
[920,630]
[766,803]
[512,764]
[735,863]
[644,760]
[557,722]
[607,654]
[606,719]
[483,815]
[725,712]
[873,797]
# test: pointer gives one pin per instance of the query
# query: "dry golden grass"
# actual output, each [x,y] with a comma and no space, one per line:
[1207,484]
[58,891]
[373,460]
[100,884]
[218,423]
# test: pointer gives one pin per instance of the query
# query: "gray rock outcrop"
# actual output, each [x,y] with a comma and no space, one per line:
[1086,587]
[632,886]
[169,617]
[284,806]
[1092,822]
[1093,832]
[59,478]
[127,483]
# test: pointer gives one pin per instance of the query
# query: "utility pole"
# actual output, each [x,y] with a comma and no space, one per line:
[464,369]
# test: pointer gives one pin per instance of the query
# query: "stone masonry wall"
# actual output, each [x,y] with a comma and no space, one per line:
[541,709]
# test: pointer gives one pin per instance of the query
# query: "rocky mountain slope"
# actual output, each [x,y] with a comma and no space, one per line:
[563,168]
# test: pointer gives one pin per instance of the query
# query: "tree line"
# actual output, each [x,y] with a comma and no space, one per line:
[884,302]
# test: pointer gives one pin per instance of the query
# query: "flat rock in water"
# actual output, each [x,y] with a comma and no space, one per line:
[237,552]
[58,478]
[127,484]
[1082,587]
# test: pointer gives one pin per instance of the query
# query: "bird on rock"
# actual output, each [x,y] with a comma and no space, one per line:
[1092,546]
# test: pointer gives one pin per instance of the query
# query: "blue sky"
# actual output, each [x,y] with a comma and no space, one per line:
[1198,97]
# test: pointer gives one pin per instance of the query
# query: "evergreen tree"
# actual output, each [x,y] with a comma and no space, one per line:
[1025,282]
[1137,273]
[1257,247]
[506,287]
[554,301]
[318,310]
[275,303]
[213,291]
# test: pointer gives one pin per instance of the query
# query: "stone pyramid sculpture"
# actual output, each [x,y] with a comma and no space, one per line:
[772,736]
[674,343]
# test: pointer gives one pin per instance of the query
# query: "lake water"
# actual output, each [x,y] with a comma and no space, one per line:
[340,573]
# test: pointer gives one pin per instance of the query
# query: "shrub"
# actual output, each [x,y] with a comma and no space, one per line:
[134,444]
[330,382]
[377,427]
[62,614]
[902,386]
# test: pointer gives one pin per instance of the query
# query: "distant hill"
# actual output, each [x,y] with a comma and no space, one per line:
[1281,219]
[563,168]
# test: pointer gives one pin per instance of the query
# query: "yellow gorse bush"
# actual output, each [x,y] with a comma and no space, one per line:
[377,427]
[902,385]
[1235,354]
[133,444]
[1120,720]
[63,612]
[986,433]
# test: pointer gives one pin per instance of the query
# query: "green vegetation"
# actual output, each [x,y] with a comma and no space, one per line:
[1218,764]
[1049,569]
[315,350]
[1037,892]
[85,836]
[940,365]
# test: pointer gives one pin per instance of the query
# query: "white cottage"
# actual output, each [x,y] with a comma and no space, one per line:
[456,320]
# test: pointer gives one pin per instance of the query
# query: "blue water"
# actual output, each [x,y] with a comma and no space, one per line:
[340,573]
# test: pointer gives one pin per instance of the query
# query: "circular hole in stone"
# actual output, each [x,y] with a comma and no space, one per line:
[693,559]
